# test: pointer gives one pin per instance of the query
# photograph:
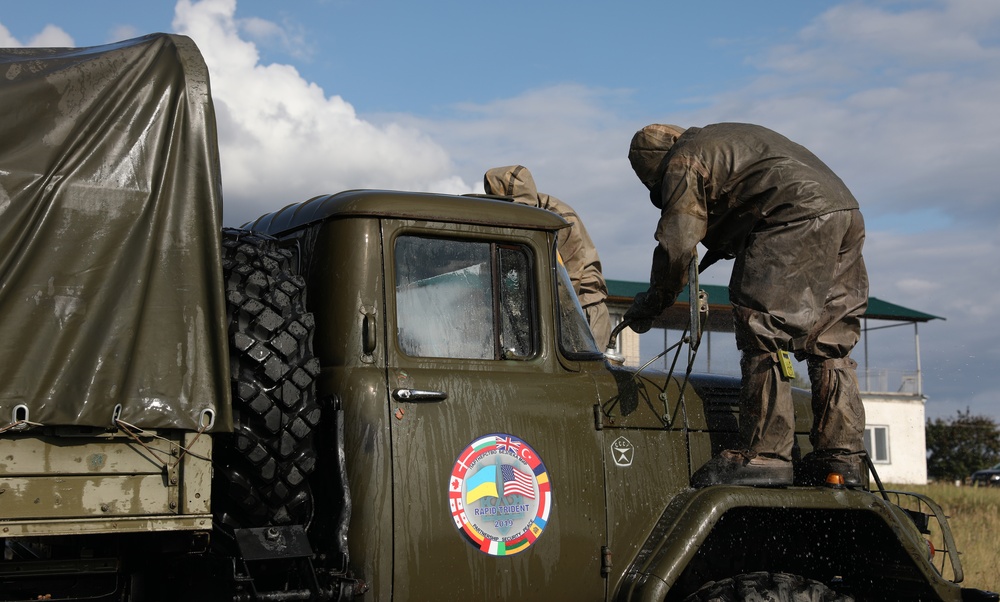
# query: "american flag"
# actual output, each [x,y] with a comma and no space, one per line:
[517,482]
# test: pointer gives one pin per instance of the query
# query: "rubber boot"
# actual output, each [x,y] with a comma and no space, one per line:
[817,467]
[838,424]
[733,467]
[767,428]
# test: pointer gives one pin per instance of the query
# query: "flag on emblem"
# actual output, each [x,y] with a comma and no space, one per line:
[507,443]
[516,482]
[482,484]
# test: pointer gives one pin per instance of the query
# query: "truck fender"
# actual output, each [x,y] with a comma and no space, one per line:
[803,531]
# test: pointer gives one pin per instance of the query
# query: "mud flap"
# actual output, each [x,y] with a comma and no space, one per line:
[275,550]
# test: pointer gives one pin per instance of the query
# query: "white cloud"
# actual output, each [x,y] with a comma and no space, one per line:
[6,39]
[917,286]
[283,139]
[261,29]
[50,36]
[286,36]
[900,103]
[871,41]
[123,32]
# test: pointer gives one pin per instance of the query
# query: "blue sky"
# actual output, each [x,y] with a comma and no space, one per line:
[898,97]
[460,45]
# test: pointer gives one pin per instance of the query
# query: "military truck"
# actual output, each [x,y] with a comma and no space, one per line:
[371,395]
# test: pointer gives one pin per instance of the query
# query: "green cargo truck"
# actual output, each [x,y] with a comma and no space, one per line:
[368,395]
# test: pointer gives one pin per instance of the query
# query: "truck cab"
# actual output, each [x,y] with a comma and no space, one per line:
[449,332]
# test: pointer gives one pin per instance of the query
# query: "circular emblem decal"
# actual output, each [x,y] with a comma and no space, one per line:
[499,494]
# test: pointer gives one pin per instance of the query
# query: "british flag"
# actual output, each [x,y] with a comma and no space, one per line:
[508,443]
[516,482]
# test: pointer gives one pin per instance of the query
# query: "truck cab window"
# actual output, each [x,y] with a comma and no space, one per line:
[463,299]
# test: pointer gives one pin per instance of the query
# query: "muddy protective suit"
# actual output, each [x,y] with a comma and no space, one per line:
[799,282]
[575,247]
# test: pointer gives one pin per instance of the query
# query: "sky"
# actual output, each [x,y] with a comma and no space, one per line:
[899,97]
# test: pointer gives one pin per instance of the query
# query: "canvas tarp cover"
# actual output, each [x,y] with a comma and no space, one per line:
[111,289]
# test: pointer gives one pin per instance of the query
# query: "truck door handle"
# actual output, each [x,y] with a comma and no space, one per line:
[418,396]
[369,331]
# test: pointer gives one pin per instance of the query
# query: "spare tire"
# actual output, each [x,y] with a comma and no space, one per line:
[261,470]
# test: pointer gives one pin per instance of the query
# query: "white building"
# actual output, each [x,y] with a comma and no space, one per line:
[893,399]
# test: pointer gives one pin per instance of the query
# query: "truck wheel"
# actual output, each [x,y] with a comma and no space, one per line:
[261,469]
[766,587]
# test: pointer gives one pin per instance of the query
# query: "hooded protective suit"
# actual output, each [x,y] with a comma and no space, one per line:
[799,282]
[575,247]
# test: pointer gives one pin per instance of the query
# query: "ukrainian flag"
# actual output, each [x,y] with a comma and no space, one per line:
[481,484]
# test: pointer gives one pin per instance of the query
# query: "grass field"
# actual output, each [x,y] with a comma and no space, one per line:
[974,516]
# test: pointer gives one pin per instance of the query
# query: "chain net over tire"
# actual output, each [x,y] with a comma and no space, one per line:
[262,468]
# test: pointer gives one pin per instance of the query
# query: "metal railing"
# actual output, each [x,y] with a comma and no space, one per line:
[889,380]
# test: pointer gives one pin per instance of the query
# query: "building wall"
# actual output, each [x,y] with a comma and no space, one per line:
[904,422]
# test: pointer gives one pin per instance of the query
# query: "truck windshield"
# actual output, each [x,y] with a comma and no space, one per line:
[464,299]
[575,337]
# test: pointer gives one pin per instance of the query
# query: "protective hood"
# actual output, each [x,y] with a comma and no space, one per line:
[514,181]
[575,245]
[648,148]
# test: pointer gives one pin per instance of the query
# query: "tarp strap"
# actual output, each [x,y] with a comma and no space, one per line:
[134,433]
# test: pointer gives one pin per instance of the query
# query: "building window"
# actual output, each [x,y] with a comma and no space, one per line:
[877,443]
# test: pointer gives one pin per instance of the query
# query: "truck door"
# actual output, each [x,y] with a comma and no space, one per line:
[497,466]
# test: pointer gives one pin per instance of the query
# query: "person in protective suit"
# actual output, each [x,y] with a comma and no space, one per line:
[575,247]
[798,285]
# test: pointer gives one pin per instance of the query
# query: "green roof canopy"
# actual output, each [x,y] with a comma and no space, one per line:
[720,319]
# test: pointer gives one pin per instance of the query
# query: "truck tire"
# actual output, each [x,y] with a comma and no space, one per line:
[766,587]
[262,468]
